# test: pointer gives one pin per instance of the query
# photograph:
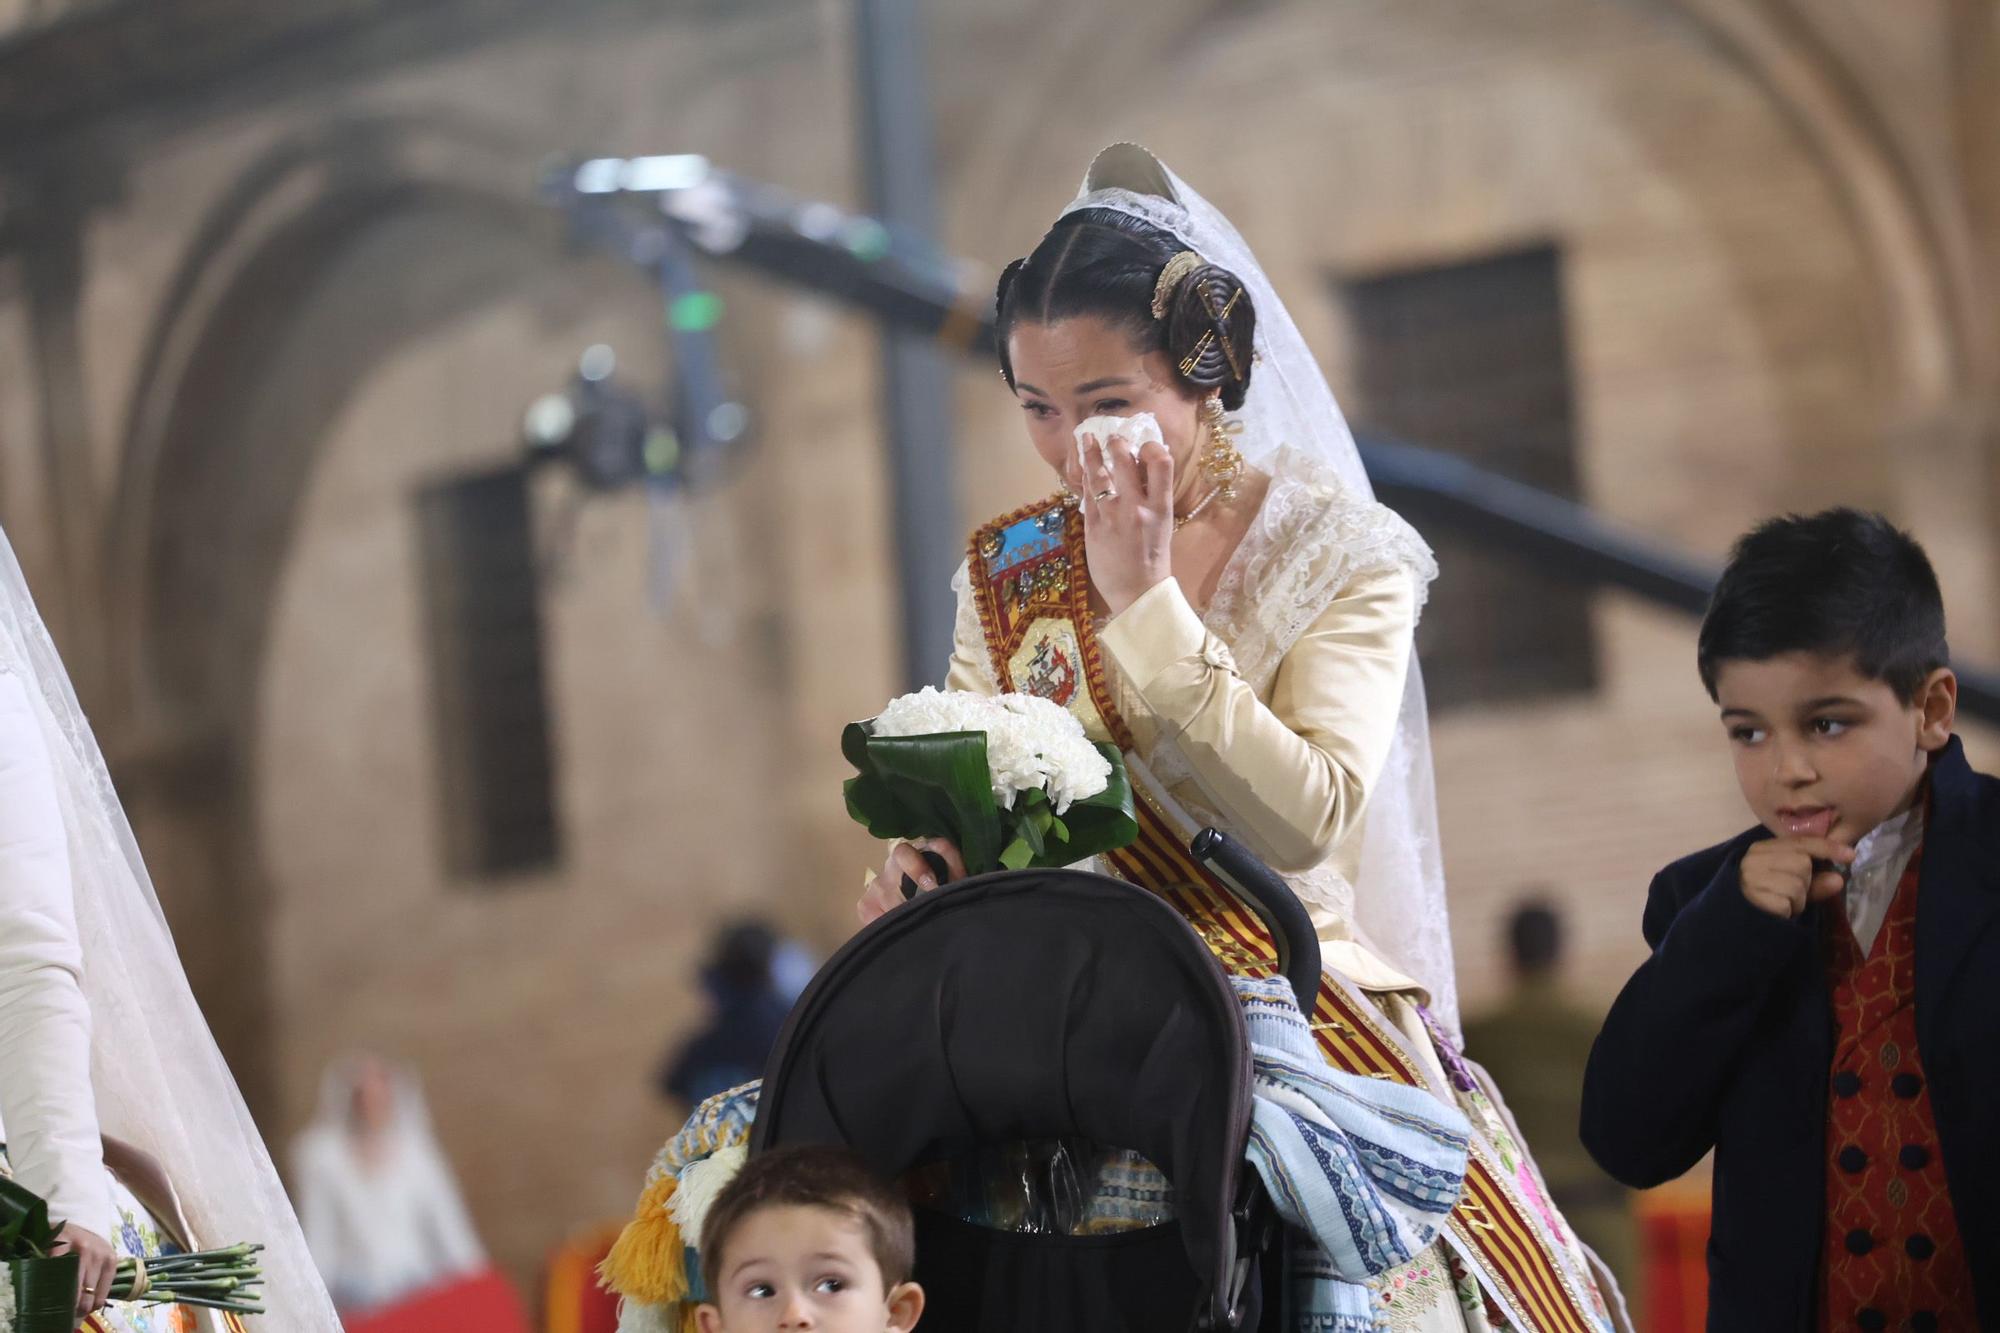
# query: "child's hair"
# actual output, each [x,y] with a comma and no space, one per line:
[813,1177]
[1840,584]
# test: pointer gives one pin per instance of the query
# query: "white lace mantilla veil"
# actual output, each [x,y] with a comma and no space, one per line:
[1292,423]
[160,1082]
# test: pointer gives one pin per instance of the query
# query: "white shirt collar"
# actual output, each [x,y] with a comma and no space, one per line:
[1890,840]
[1879,861]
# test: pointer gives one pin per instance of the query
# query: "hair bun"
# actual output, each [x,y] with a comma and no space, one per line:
[1211,331]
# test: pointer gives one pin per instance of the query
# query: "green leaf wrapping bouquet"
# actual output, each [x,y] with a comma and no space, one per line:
[38,1289]
[1010,778]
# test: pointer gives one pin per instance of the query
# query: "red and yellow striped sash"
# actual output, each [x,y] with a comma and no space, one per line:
[1027,571]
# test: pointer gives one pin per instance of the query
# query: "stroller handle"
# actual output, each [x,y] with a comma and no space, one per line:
[1274,903]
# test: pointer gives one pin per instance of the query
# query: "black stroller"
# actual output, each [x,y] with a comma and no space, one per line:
[1045,1005]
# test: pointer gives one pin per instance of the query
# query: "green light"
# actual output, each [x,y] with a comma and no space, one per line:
[867,240]
[697,312]
[663,451]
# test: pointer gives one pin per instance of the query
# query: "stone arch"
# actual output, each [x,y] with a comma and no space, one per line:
[1917,236]
[259,245]
[218,454]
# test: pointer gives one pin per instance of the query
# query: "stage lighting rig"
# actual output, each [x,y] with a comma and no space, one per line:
[805,243]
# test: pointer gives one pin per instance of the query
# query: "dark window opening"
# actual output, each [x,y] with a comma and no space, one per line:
[488,688]
[1472,359]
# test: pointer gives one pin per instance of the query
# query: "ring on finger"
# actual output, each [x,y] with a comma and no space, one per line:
[1106,493]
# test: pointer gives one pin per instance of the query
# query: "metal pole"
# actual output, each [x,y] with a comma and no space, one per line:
[916,373]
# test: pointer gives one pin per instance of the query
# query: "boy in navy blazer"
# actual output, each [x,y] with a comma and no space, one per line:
[1822,1003]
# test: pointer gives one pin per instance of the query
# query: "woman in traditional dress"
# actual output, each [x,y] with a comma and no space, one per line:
[1232,608]
[117,1106]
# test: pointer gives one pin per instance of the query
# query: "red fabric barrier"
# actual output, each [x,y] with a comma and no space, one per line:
[485,1303]
[1673,1233]
[573,1302]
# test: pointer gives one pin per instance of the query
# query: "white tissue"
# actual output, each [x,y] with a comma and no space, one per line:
[1132,433]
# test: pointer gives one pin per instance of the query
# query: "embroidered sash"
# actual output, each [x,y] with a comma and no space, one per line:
[1032,589]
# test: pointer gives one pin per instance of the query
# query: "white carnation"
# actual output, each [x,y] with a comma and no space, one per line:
[1064,762]
[1031,742]
[6,1297]
[930,711]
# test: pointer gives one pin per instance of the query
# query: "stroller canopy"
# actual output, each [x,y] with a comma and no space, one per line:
[1030,1005]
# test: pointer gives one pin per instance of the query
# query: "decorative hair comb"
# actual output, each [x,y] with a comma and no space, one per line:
[1182,264]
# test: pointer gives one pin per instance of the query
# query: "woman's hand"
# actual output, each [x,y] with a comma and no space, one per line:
[98,1266]
[906,858]
[1128,519]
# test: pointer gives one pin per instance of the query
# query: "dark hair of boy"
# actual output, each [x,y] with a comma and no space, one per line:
[1838,584]
[813,1177]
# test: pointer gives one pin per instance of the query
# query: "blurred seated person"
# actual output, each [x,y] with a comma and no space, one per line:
[380,1205]
[1535,1045]
[748,1001]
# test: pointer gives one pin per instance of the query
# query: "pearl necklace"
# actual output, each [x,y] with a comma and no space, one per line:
[1182,520]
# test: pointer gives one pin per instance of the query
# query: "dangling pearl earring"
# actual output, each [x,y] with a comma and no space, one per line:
[1220,458]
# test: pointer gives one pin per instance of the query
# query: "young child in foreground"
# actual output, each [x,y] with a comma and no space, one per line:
[1822,1003]
[807,1238]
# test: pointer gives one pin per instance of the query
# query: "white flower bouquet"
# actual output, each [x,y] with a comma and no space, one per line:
[1010,778]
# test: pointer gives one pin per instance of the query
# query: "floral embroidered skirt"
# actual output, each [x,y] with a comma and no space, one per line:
[139,1237]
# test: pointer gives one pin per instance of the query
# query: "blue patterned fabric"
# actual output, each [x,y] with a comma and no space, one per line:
[1367,1171]
[723,1121]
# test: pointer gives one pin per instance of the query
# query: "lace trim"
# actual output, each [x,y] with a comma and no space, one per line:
[1312,537]
[968,629]
[1165,214]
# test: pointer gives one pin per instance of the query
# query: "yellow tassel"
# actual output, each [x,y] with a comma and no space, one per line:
[648,1262]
